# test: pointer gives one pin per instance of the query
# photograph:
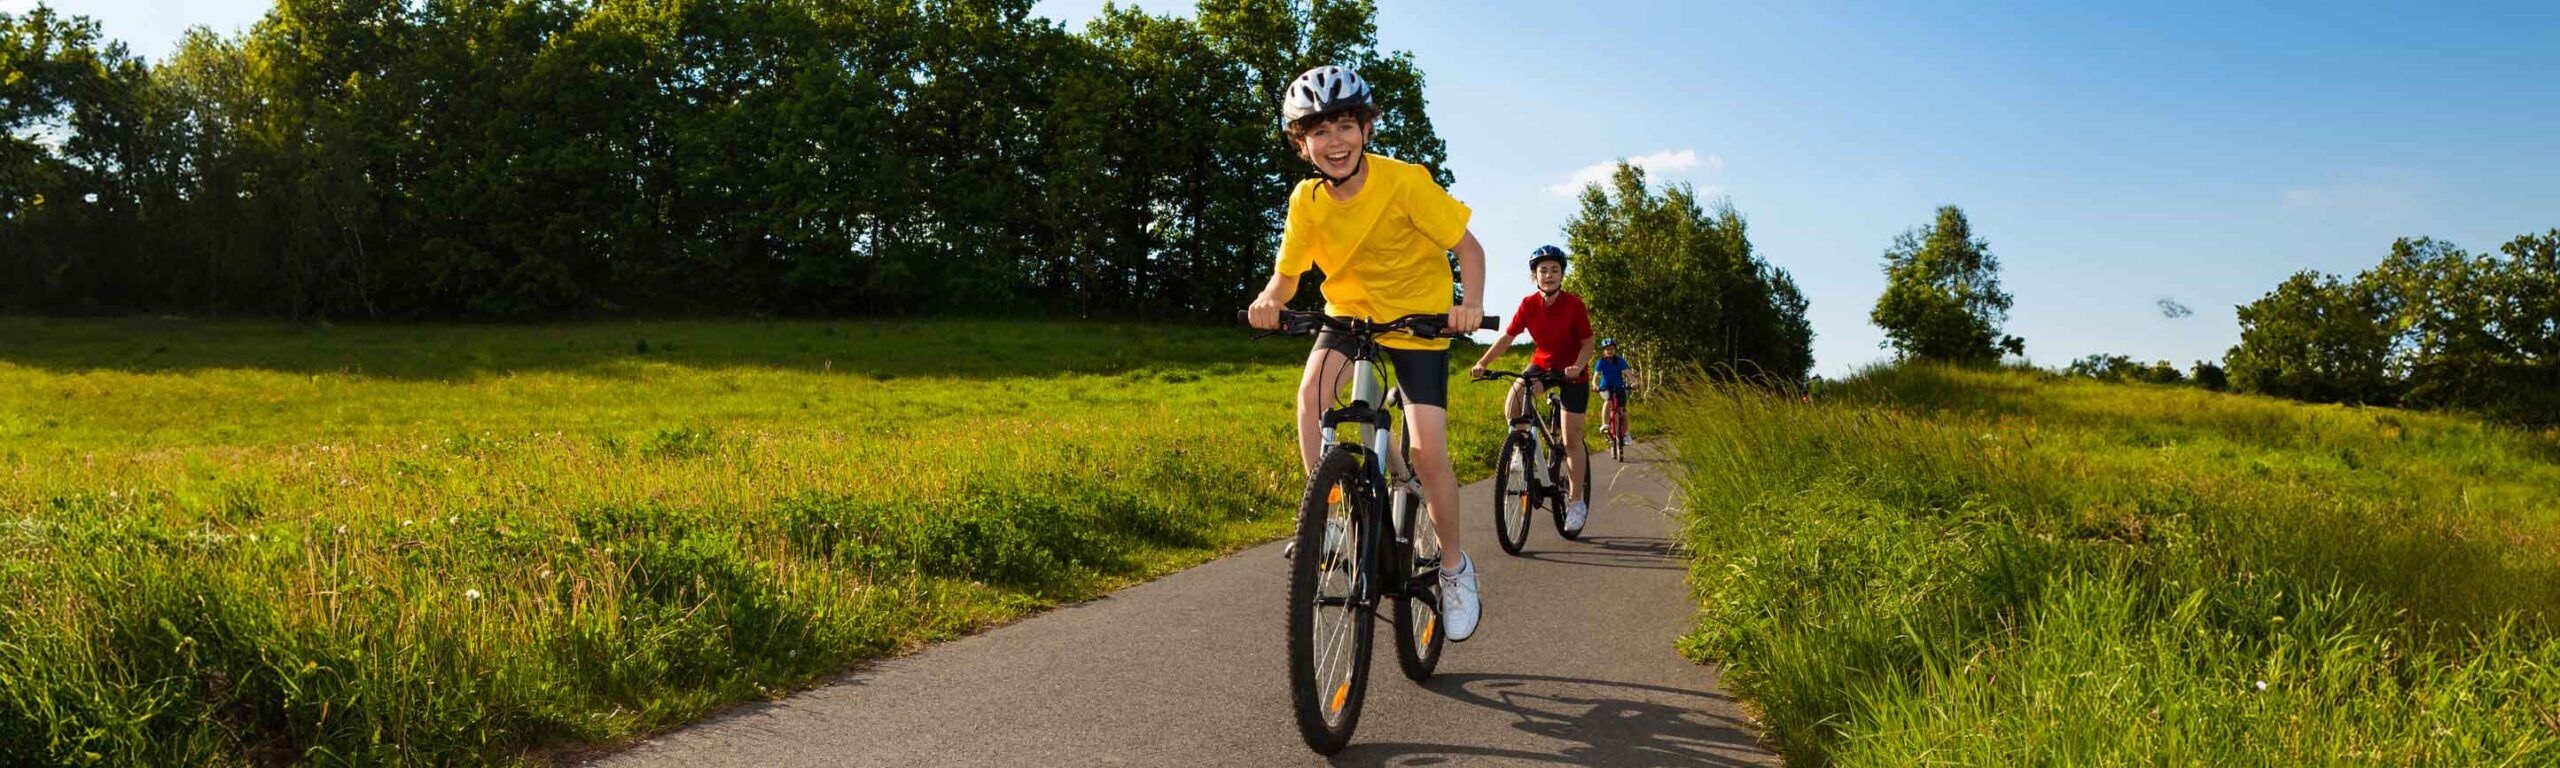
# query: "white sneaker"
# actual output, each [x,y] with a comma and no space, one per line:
[1459,604]
[1574,514]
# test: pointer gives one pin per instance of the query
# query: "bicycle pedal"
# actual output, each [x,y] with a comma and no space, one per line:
[1289,552]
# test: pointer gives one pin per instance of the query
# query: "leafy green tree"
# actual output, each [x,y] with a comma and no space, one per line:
[2210,376]
[2437,303]
[1942,298]
[1680,284]
[2527,313]
[2315,338]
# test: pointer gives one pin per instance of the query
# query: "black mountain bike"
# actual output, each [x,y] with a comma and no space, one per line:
[1529,472]
[1357,542]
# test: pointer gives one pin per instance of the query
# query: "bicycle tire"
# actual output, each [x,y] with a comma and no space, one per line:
[1617,429]
[1419,638]
[1327,697]
[1514,495]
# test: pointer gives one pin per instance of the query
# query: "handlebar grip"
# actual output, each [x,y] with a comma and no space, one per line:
[1244,317]
[1490,323]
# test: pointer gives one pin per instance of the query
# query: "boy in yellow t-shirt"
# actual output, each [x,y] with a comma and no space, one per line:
[1381,230]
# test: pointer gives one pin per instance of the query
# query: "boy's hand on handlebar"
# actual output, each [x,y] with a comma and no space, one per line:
[1479,373]
[1264,314]
[1572,372]
[1464,318]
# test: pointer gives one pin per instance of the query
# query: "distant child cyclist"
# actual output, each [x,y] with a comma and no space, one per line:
[1556,320]
[1382,231]
[1612,370]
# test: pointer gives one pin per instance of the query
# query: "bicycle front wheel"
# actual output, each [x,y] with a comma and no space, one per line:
[1617,429]
[1513,498]
[1419,639]
[1329,630]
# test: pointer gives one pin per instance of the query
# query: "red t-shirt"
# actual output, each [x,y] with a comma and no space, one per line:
[1558,329]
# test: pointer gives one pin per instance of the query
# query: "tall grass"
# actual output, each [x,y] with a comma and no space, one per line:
[239,543]
[1947,567]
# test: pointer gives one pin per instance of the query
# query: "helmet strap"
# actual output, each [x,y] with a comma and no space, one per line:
[1357,165]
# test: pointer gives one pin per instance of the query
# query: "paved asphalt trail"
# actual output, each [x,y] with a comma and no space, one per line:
[1573,665]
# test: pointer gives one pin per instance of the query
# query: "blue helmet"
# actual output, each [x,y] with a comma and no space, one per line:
[1609,343]
[1548,252]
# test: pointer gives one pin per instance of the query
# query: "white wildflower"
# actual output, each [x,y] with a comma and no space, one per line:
[474,594]
[2262,685]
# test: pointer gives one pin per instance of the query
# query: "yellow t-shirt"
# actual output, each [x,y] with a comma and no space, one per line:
[1384,252]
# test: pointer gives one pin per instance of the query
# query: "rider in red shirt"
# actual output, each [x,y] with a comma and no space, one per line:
[1561,327]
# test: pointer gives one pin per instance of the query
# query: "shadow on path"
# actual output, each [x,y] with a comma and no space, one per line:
[1643,552]
[1603,722]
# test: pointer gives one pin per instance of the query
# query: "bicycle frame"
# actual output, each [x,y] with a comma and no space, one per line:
[1543,425]
[1374,435]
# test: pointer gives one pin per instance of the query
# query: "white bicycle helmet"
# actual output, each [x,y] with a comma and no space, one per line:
[1323,91]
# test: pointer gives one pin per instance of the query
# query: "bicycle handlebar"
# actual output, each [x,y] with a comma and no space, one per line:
[1549,378]
[1296,323]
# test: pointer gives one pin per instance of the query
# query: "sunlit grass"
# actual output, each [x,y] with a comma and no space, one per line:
[1949,567]
[235,543]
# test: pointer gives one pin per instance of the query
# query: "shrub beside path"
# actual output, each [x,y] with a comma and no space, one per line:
[1574,665]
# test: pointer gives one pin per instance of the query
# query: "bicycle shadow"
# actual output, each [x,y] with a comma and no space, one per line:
[1638,552]
[1605,722]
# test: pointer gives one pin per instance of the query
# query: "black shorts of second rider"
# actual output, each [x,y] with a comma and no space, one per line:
[1575,394]
[1423,374]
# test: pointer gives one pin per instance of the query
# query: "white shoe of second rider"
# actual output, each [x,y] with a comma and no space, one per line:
[1574,515]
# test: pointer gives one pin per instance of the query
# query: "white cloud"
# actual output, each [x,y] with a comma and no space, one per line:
[1657,165]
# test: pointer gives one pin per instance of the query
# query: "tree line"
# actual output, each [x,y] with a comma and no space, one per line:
[432,159]
[2431,326]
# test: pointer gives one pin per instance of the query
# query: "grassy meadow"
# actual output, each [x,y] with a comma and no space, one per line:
[248,543]
[1944,567]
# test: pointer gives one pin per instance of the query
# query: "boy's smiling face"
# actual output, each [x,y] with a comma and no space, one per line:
[1334,145]
[1550,276]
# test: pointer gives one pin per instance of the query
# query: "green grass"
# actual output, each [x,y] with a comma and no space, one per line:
[1943,567]
[245,543]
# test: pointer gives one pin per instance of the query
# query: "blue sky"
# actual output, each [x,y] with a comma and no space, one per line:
[2112,156]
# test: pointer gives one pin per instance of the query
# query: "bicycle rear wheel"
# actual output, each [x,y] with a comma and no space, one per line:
[1513,497]
[1329,630]
[1417,616]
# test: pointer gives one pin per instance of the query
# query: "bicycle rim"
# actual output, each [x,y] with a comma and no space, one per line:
[1329,631]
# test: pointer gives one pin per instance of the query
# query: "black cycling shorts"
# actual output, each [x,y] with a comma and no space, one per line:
[1576,395]
[1422,373]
